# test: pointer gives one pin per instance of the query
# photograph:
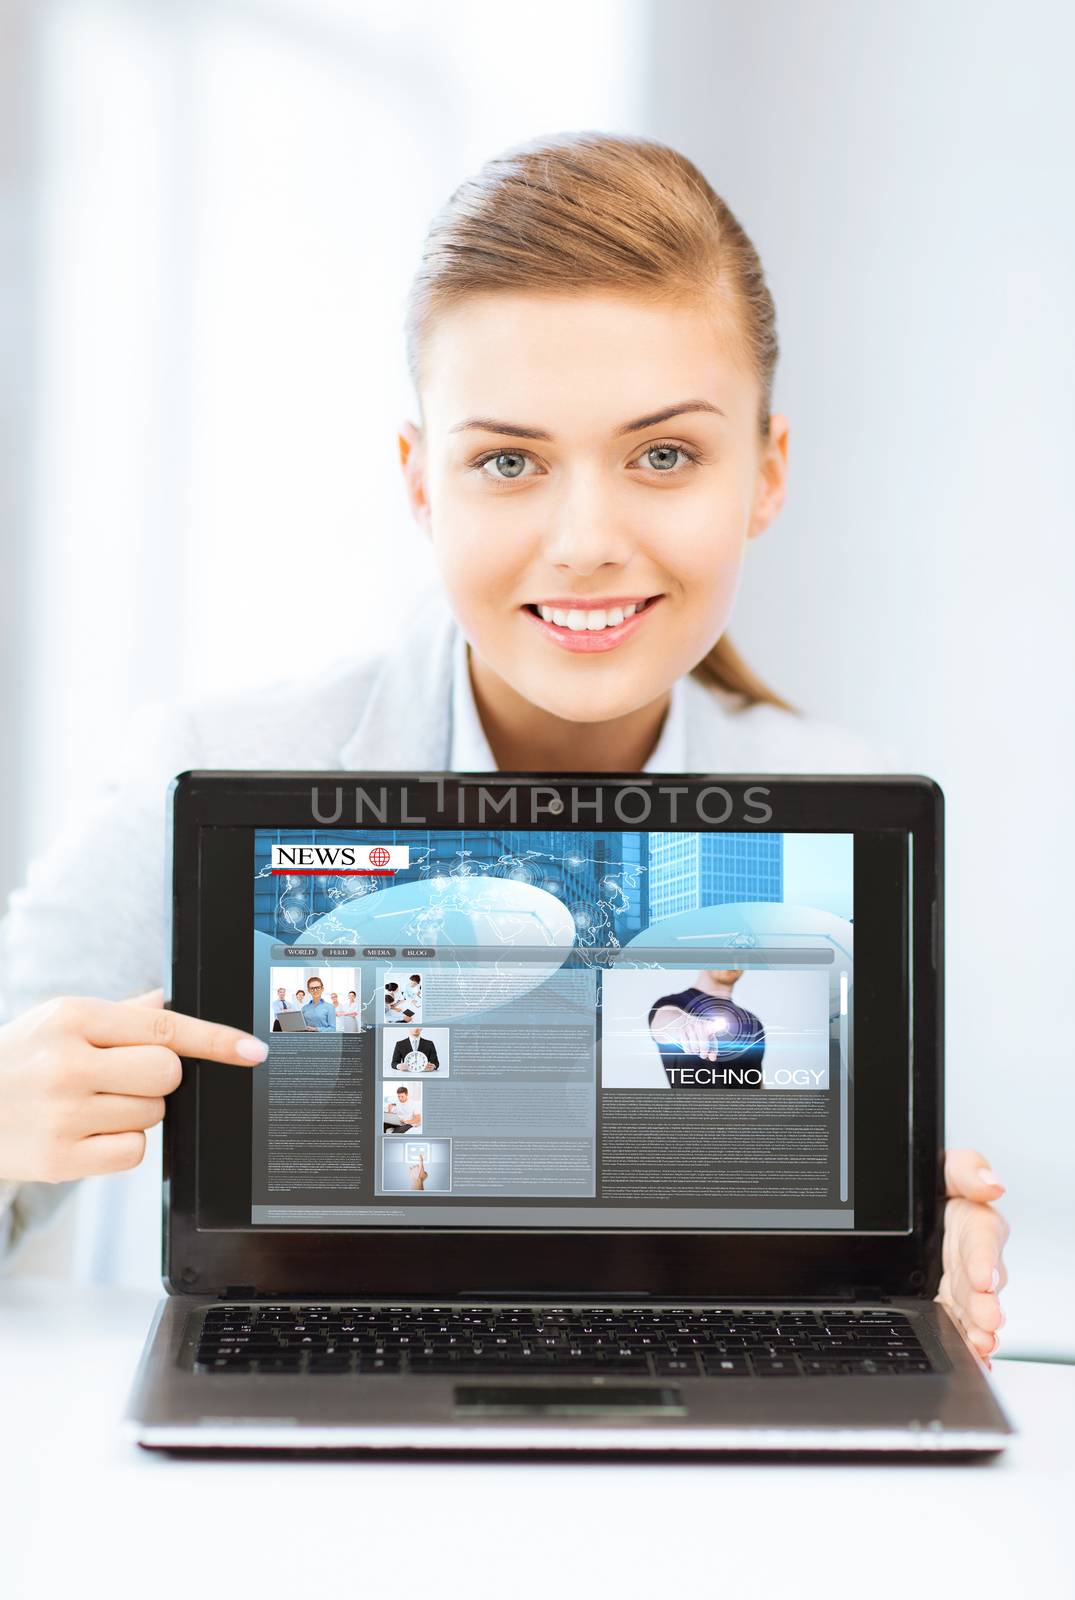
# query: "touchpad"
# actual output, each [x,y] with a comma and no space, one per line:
[565,1400]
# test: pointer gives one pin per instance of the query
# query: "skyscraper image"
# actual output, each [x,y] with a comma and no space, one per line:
[692,870]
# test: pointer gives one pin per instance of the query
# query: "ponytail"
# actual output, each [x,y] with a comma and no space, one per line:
[724,668]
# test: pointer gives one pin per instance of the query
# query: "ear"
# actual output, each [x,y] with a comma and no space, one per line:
[772,481]
[412,460]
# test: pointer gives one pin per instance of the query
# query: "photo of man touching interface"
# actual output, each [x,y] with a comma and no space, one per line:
[703,1023]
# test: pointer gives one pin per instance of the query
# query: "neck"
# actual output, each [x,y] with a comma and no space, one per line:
[525,738]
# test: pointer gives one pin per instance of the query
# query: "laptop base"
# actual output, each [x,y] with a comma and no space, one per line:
[950,1410]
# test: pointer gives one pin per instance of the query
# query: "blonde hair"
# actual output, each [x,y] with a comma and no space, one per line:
[581,211]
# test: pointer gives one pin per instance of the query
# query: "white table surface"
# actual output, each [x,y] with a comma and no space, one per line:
[85,1513]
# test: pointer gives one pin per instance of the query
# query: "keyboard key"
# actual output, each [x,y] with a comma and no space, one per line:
[676,1366]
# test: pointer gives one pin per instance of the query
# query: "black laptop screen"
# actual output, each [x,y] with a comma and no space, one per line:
[573,1029]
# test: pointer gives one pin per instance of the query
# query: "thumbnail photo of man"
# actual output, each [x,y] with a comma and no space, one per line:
[702,1023]
[410,1051]
[401,1107]
[716,1029]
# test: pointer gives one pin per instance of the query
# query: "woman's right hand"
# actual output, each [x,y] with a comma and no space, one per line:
[81,1080]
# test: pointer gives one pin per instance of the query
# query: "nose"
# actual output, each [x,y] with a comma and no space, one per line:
[586,530]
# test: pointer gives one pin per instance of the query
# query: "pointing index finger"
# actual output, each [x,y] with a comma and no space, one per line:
[109,1023]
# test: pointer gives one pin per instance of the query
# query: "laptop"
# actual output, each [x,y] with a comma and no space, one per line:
[291,1022]
[659,1167]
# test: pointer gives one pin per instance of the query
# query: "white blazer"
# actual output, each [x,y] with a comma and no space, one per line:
[90,919]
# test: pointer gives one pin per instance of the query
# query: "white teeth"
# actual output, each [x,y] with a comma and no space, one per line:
[580,621]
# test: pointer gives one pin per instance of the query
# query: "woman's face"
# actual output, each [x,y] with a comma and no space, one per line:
[590,551]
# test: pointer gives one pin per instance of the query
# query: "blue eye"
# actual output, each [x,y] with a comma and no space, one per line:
[509,464]
[664,450]
[668,460]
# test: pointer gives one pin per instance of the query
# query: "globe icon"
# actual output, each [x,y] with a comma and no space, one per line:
[378,856]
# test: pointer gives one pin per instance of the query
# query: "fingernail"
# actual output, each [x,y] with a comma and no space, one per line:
[996,1278]
[252,1049]
[988,1176]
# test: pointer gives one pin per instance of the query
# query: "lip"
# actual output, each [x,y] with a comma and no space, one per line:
[592,602]
[582,642]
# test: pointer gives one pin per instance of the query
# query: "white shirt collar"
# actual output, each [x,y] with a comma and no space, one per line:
[470,752]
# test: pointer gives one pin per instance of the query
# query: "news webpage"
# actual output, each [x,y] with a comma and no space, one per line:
[553,1029]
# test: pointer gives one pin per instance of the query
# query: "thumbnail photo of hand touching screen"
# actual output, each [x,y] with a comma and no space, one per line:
[704,1023]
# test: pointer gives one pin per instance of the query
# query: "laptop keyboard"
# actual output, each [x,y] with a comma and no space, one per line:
[656,1341]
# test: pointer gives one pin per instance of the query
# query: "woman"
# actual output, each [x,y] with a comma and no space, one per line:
[347,1015]
[593,347]
[393,1002]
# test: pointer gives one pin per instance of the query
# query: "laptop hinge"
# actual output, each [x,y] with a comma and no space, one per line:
[832,1295]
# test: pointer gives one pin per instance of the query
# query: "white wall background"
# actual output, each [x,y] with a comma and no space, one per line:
[904,169]
[214,210]
[229,198]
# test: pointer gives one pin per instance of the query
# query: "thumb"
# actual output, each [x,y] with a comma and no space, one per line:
[152,997]
[968,1176]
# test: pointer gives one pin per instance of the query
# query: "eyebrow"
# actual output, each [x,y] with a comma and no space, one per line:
[517,431]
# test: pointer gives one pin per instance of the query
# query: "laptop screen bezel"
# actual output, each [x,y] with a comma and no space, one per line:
[224,1260]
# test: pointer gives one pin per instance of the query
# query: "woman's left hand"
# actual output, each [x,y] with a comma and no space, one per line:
[974,1236]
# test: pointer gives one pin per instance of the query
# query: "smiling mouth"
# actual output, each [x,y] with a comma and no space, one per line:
[578,618]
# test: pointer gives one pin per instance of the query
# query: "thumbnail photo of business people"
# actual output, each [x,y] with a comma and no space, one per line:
[402,997]
[314,999]
[414,1050]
